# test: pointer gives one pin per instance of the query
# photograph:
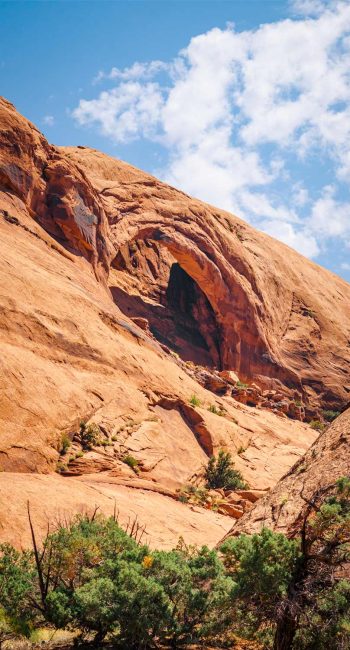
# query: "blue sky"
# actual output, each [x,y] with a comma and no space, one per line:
[243,104]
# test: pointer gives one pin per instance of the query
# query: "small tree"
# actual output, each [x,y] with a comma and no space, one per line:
[261,567]
[220,473]
[316,609]
[89,434]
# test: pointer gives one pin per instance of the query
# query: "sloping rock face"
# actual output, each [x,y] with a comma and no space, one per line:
[275,321]
[327,460]
[121,300]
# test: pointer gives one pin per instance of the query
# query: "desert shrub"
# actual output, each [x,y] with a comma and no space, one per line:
[61,467]
[241,450]
[193,494]
[94,578]
[317,425]
[198,591]
[220,473]
[65,443]
[261,567]
[316,610]
[17,578]
[218,411]
[195,401]
[241,385]
[131,462]
[330,415]
[90,435]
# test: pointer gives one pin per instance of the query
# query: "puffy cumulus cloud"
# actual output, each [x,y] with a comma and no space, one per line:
[240,113]
[302,239]
[129,111]
[329,217]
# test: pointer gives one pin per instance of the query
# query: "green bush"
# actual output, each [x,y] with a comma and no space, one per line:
[220,473]
[317,425]
[241,385]
[90,576]
[241,450]
[194,401]
[131,462]
[330,415]
[65,443]
[193,494]
[90,435]
[98,580]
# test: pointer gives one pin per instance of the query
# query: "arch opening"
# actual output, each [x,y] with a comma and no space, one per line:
[150,286]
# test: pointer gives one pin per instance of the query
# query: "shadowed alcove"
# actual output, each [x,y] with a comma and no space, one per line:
[147,282]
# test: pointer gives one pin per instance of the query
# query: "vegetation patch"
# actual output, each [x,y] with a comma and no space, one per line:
[330,415]
[65,444]
[132,462]
[217,411]
[241,385]
[93,578]
[317,425]
[90,435]
[195,401]
[221,473]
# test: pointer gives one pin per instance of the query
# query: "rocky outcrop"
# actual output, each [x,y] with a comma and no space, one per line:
[282,508]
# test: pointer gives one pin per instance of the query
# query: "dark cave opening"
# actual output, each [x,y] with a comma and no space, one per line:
[193,312]
[147,282]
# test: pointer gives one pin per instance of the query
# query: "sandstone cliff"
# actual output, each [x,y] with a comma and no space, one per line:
[327,460]
[121,298]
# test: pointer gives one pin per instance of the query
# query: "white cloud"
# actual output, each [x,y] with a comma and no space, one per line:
[309,7]
[126,112]
[49,120]
[302,240]
[233,107]
[136,71]
[330,218]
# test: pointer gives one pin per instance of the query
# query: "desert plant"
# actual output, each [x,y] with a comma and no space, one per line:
[65,444]
[131,462]
[218,411]
[90,435]
[194,401]
[241,450]
[315,611]
[317,425]
[309,312]
[330,415]
[61,467]
[241,385]
[193,494]
[90,575]
[220,473]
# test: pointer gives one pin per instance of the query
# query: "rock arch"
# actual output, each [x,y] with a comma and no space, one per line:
[242,346]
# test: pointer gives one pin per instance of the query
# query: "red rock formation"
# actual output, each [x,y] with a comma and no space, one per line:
[327,460]
[106,273]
